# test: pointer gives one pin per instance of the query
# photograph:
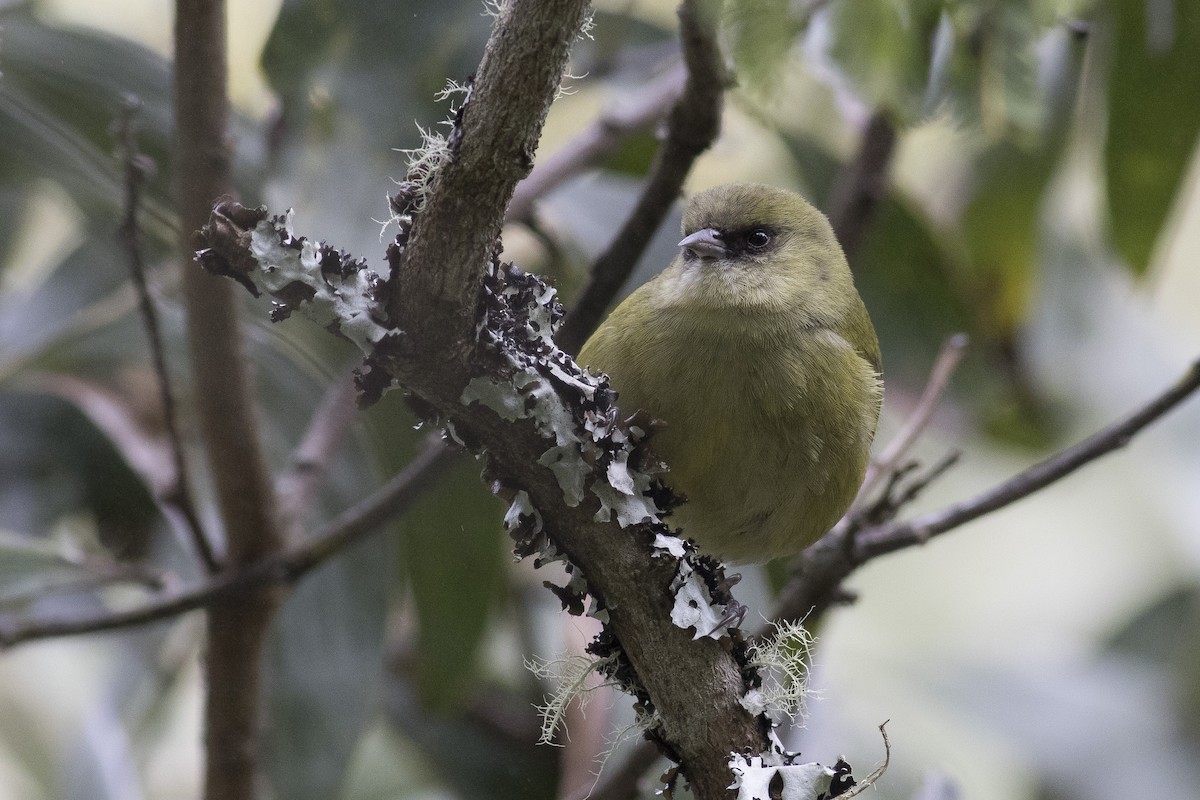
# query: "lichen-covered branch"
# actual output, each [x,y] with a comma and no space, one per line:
[435,283]
[571,466]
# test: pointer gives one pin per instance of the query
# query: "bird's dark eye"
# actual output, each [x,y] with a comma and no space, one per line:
[758,239]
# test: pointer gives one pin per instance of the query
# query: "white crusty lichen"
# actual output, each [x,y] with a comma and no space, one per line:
[775,774]
[533,390]
[694,606]
[528,394]
[521,510]
[589,449]
[783,660]
[341,297]
[754,776]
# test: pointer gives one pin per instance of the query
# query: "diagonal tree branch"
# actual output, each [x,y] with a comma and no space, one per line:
[344,530]
[822,568]
[491,148]
[692,126]
[872,543]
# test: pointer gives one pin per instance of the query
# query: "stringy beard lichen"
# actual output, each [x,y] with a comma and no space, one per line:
[424,162]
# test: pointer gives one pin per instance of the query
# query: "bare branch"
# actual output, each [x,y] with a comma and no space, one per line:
[872,543]
[877,773]
[904,485]
[693,125]
[952,351]
[816,583]
[178,495]
[297,488]
[603,136]
[349,527]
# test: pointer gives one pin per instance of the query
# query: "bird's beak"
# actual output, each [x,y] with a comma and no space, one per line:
[705,243]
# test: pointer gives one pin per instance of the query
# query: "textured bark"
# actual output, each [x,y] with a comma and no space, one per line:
[221,388]
[435,303]
[493,148]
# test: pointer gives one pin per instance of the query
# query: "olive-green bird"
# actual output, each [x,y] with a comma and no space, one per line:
[756,350]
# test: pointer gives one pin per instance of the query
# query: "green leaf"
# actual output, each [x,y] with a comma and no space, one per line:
[1153,120]
[61,92]
[1001,229]
[1166,634]
[905,274]
[478,759]
[634,155]
[455,564]
[762,33]
[884,48]
[325,658]
[991,77]
[57,463]
[817,166]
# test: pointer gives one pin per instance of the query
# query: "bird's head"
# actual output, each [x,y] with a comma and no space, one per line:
[755,245]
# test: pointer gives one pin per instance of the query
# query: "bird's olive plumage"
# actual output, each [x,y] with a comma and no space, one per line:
[755,349]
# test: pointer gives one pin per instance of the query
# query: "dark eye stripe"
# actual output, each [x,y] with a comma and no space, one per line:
[749,241]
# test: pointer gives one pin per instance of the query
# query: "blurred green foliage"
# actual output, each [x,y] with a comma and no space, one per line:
[407,627]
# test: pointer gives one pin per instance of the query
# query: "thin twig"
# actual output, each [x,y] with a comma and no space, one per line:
[297,488]
[622,782]
[821,569]
[877,542]
[877,773]
[351,526]
[179,495]
[902,488]
[692,126]
[602,137]
[948,358]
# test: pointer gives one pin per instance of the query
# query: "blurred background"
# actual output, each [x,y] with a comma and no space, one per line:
[1042,197]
